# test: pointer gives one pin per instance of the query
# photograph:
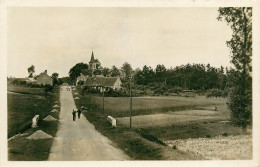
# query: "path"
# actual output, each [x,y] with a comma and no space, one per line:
[79,140]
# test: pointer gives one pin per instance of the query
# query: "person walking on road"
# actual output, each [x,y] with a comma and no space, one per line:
[74,114]
[79,112]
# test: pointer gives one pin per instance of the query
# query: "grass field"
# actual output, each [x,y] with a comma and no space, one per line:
[239,147]
[160,119]
[23,104]
[170,118]
[25,90]
[120,106]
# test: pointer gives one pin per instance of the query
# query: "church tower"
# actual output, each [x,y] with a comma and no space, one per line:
[93,62]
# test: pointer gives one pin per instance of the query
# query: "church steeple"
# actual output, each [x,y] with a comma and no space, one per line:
[92,57]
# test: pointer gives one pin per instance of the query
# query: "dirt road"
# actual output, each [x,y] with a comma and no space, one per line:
[78,140]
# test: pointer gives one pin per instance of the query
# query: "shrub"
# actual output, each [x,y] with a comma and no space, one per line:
[18,82]
[225,134]
[29,84]
[115,93]
[166,93]
[158,91]
[48,88]
[177,89]
[208,136]
[216,93]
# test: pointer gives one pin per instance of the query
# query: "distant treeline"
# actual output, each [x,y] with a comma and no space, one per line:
[193,77]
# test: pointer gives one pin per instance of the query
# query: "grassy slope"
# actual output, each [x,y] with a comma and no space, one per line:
[21,109]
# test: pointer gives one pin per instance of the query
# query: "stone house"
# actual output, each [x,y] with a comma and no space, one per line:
[44,79]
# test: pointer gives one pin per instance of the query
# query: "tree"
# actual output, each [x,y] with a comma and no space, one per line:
[55,78]
[66,80]
[160,72]
[76,70]
[114,72]
[88,72]
[148,75]
[31,71]
[240,96]
[127,70]
[105,71]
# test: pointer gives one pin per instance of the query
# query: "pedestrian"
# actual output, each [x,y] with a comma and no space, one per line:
[79,112]
[74,114]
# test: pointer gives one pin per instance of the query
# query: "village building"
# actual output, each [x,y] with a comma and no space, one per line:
[98,81]
[81,79]
[44,79]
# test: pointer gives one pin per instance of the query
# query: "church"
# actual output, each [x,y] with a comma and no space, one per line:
[94,64]
[96,80]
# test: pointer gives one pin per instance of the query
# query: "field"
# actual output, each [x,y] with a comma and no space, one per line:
[217,148]
[161,120]
[120,106]
[25,90]
[170,118]
[23,104]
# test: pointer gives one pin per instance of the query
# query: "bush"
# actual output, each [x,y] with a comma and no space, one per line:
[166,94]
[18,82]
[225,134]
[216,93]
[159,91]
[48,88]
[115,93]
[208,136]
[177,89]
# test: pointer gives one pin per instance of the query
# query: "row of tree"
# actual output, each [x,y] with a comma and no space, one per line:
[196,76]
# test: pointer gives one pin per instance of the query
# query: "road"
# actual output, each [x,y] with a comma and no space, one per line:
[78,140]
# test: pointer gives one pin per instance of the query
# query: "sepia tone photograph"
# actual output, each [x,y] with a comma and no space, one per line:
[129,83]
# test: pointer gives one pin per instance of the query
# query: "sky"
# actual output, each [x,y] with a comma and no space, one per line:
[56,38]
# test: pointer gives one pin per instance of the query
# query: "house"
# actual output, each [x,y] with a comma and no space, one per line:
[44,79]
[81,79]
[100,82]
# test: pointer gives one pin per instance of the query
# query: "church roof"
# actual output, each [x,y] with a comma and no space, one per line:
[100,81]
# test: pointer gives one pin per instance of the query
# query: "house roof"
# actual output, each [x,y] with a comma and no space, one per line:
[42,74]
[65,84]
[101,81]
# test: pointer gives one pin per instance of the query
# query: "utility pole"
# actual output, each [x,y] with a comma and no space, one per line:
[103,89]
[130,103]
